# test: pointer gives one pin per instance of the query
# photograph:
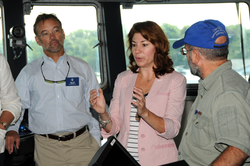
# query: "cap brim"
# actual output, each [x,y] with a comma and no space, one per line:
[178,43]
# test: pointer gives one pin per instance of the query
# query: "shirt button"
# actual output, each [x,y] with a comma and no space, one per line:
[58,96]
[143,136]
[186,133]
[143,149]
[179,153]
[201,96]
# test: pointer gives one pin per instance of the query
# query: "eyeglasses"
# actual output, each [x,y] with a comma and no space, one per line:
[184,51]
[52,82]
[46,34]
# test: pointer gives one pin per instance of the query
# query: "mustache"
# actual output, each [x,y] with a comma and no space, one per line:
[53,41]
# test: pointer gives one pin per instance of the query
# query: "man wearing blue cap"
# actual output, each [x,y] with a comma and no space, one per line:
[218,130]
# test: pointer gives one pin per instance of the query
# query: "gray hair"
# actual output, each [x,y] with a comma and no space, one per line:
[212,54]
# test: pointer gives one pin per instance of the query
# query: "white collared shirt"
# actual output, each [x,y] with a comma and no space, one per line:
[9,99]
[57,108]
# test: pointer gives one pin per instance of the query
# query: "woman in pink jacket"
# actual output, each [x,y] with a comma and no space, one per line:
[148,100]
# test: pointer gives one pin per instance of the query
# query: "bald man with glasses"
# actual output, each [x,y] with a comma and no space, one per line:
[55,89]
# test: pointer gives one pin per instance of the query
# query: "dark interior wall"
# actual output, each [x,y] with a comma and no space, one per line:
[116,62]
[13,15]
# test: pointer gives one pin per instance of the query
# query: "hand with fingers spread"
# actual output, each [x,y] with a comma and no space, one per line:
[97,102]
[140,102]
[11,138]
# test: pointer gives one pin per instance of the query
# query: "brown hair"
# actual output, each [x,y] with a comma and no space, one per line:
[153,33]
[43,17]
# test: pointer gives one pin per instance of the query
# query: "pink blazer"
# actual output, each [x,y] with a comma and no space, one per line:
[165,99]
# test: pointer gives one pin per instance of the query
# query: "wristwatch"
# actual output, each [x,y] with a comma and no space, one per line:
[4,124]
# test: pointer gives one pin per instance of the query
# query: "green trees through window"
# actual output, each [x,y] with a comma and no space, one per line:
[79,43]
[81,32]
[174,19]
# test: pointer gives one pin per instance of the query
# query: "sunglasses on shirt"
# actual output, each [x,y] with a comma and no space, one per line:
[52,82]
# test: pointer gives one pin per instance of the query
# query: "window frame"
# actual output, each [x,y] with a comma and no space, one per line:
[126,3]
[192,87]
[100,28]
[3,30]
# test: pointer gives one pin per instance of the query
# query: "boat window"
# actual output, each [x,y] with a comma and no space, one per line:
[176,18]
[81,33]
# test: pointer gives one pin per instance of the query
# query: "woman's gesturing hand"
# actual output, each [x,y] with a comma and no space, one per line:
[97,102]
[140,102]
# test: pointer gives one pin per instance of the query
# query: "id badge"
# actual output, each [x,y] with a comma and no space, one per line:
[72,81]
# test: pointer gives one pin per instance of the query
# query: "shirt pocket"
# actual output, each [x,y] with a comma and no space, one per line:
[201,133]
[75,94]
[228,123]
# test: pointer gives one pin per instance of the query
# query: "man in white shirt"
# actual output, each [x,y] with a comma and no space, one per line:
[10,104]
[55,89]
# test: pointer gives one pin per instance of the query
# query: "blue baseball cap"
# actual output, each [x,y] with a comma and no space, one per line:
[203,34]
